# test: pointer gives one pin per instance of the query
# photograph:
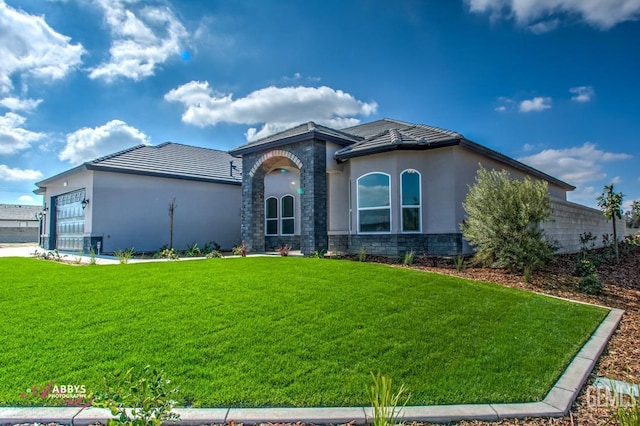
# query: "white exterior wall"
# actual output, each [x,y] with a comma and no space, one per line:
[132,211]
[569,220]
[438,186]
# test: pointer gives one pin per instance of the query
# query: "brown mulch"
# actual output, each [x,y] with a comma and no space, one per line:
[621,358]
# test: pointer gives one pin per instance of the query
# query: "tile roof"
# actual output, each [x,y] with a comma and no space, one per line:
[303,131]
[18,212]
[172,160]
[169,160]
[386,135]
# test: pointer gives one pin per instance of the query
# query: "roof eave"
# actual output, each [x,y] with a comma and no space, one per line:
[43,183]
[473,146]
[395,147]
[301,137]
[96,167]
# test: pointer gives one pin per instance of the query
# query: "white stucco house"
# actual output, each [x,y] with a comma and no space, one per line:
[19,223]
[387,186]
[122,200]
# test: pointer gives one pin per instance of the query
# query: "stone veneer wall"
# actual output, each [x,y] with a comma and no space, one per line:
[397,244]
[313,201]
[570,220]
[273,242]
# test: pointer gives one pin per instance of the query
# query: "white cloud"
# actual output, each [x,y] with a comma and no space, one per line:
[501,108]
[89,143]
[17,104]
[31,47]
[616,180]
[536,104]
[576,166]
[582,93]
[26,198]
[544,26]
[602,14]
[142,40]
[9,174]
[277,107]
[13,137]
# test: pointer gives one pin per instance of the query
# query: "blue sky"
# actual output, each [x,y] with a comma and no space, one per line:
[553,83]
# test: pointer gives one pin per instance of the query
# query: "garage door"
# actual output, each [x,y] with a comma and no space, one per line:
[70,221]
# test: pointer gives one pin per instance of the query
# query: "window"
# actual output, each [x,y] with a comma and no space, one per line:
[271,216]
[410,200]
[287,215]
[374,203]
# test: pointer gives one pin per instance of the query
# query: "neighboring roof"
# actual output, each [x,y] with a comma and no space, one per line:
[18,212]
[298,133]
[169,160]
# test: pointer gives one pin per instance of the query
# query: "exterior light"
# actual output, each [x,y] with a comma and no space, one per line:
[84,203]
[283,170]
[300,191]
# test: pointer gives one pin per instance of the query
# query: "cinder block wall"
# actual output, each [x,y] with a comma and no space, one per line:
[18,235]
[570,220]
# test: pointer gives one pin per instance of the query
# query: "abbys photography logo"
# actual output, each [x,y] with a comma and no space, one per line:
[72,395]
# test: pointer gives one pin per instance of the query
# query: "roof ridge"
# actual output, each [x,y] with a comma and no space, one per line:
[185,145]
[116,154]
[441,129]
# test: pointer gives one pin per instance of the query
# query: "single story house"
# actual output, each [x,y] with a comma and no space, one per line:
[122,200]
[387,186]
[19,223]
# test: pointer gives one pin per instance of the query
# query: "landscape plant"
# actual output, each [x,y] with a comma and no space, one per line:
[409,257]
[611,204]
[92,256]
[240,250]
[214,254]
[633,215]
[284,250]
[193,250]
[386,404]
[138,397]
[626,410]
[124,255]
[503,217]
[459,263]
[362,254]
[169,253]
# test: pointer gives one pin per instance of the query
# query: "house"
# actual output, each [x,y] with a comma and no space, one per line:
[387,187]
[122,200]
[19,223]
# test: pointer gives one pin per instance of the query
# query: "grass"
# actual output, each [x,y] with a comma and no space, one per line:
[283,331]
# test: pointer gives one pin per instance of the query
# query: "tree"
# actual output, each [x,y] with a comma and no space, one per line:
[633,215]
[611,204]
[503,221]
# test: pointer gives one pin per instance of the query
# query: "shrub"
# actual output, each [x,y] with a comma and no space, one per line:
[318,254]
[409,257]
[362,254]
[214,254]
[503,218]
[284,250]
[458,261]
[169,253]
[386,404]
[590,284]
[584,267]
[142,397]
[240,250]
[211,246]
[193,250]
[124,255]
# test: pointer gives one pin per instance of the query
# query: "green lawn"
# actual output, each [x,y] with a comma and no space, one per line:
[283,331]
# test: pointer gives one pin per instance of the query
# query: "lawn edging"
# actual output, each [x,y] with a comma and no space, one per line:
[557,403]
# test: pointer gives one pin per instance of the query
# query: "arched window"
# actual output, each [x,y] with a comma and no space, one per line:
[374,203]
[288,215]
[410,200]
[271,216]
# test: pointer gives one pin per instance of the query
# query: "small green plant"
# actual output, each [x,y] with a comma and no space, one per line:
[284,250]
[584,267]
[211,246]
[138,397]
[193,250]
[125,255]
[78,258]
[240,250]
[626,410]
[169,253]
[409,257]
[318,254]
[362,254]
[386,404]
[214,254]
[92,256]
[590,284]
[458,261]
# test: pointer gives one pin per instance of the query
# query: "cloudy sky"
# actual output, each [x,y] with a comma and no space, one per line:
[553,83]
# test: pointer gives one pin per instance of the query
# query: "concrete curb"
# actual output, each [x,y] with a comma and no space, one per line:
[557,403]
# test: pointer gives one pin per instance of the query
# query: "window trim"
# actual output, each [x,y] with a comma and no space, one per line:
[411,206]
[358,208]
[276,219]
[282,218]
